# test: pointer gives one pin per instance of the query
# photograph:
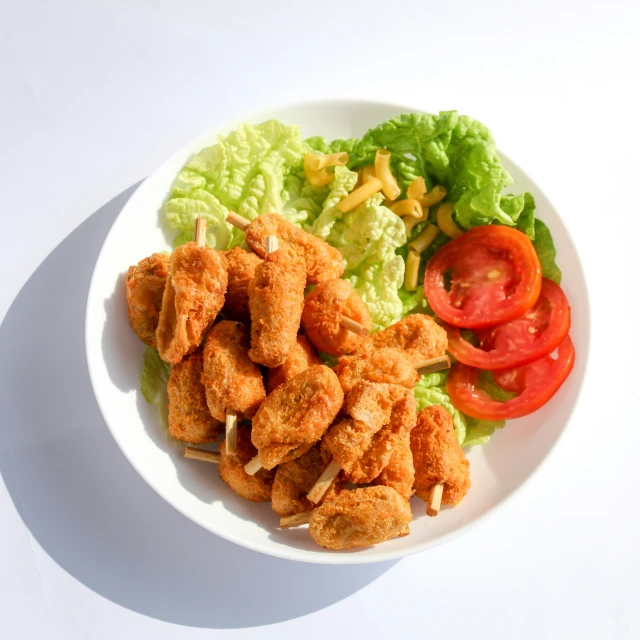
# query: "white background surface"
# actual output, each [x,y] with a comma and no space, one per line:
[92,97]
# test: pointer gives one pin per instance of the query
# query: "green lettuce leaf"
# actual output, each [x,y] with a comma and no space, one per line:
[368,238]
[526,221]
[456,151]
[479,431]
[253,170]
[546,251]
[153,382]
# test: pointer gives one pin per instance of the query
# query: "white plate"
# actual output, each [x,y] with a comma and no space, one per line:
[114,355]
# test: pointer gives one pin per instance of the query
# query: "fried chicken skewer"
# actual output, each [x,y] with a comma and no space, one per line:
[233,383]
[323,262]
[379,417]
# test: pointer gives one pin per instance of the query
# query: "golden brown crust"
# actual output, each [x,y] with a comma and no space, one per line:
[241,268]
[301,357]
[322,261]
[360,518]
[382,365]
[438,457]
[189,417]
[276,297]
[192,299]
[399,474]
[296,415]
[145,283]
[296,478]
[231,379]
[257,487]
[417,334]
[378,416]
[323,310]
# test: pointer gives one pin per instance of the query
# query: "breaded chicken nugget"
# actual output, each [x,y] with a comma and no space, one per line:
[301,357]
[145,284]
[382,365]
[323,310]
[257,487]
[241,268]
[418,334]
[360,518]
[230,378]
[189,417]
[438,457]
[294,480]
[276,298]
[192,299]
[322,261]
[399,474]
[379,415]
[296,415]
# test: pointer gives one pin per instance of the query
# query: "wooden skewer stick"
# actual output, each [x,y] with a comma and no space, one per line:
[231,432]
[202,454]
[200,233]
[435,498]
[355,327]
[286,522]
[433,364]
[254,465]
[238,221]
[324,482]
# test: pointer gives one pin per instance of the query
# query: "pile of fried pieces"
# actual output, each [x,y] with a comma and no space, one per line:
[342,449]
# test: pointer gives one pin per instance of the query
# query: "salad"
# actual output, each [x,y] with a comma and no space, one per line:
[449,206]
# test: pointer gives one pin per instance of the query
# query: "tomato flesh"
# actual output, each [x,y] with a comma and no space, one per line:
[487,276]
[535,383]
[526,338]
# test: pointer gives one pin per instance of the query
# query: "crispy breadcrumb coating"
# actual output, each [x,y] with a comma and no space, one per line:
[382,365]
[417,334]
[438,457]
[360,518]
[241,268]
[145,283]
[294,480]
[378,416]
[276,298]
[323,310]
[192,299]
[322,261]
[301,357]
[399,474]
[257,487]
[296,415]
[231,380]
[189,417]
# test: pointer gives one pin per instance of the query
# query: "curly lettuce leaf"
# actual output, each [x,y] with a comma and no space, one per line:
[153,382]
[546,251]
[368,238]
[253,170]
[456,151]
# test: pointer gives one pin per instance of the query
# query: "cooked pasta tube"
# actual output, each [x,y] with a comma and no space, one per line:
[411,271]
[359,195]
[318,161]
[318,178]
[416,189]
[407,207]
[429,234]
[434,196]
[383,172]
[410,222]
[445,220]
[368,172]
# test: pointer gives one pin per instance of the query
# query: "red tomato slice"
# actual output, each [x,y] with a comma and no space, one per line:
[494,276]
[535,383]
[526,338]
